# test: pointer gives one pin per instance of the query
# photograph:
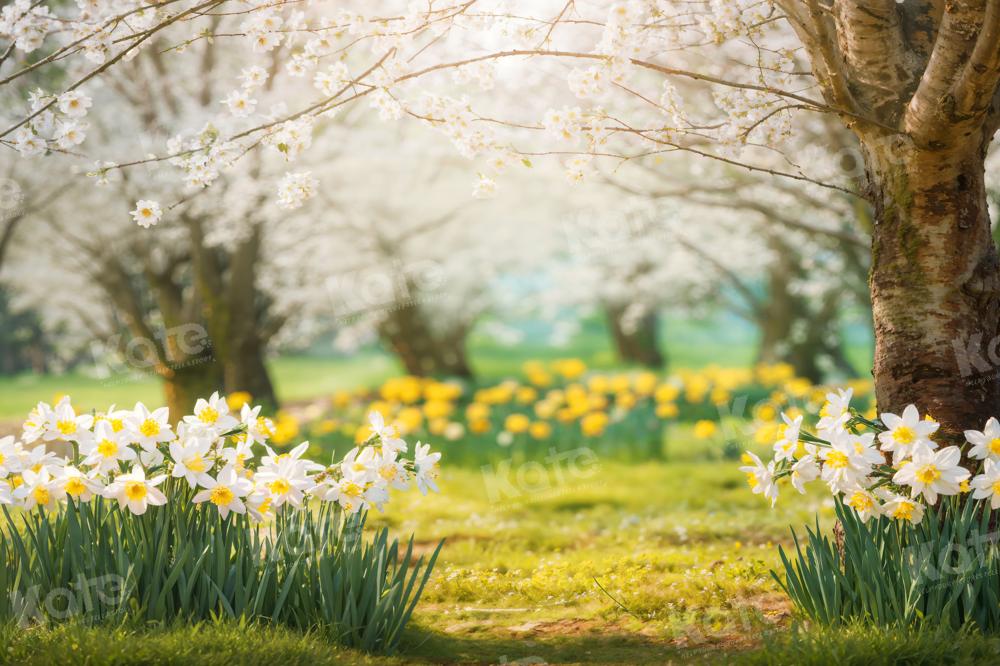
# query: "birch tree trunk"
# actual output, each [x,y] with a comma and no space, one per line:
[917,82]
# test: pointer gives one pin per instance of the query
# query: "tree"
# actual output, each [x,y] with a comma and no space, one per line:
[916,82]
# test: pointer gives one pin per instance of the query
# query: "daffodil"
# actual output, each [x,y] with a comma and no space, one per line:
[192,460]
[146,428]
[907,434]
[226,492]
[426,464]
[213,413]
[135,491]
[760,477]
[39,489]
[985,444]
[987,484]
[107,450]
[899,507]
[933,473]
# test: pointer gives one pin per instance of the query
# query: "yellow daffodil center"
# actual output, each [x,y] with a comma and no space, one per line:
[996,487]
[75,487]
[388,472]
[117,425]
[208,415]
[904,435]
[928,474]
[861,501]
[196,464]
[995,446]
[66,427]
[279,486]
[221,496]
[107,448]
[150,428]
[41,495]
[352,489]
[135,490]
[752,480]
[16,481]
[904,511]
[837,459]
[2,459]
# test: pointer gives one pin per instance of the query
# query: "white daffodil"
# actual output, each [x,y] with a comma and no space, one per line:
[392,471]
[846,463]
[359,465]
[37,423]
[38,459]
[899,507]
[760,477]
[295,454]
[985,444]
[259,506]
[835,413]
[5,495]
[192,461]
[135,491]
[349,494]
[146,428]
[64,424]
[237,456]
[10,456]
[76,484]
[933,473]
[426,464]
[213,413]
[907,434]
[804,470]
[863,502]
[387,434]
[285,480]
[259,428]
[226,492]
[987,484]
[788,438]
[108,450]
[39,489]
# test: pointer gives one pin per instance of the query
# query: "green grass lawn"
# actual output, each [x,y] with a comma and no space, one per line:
[681,549]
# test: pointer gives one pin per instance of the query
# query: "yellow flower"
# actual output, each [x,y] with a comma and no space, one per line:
[409,419]
[477,411]
[666,393]
[479,426]
[645,383]
[667,410]
[593,424]
[341,399]
[704,429]
[570,368]
[437,426]
[436,409]
[237,399]
[526,395]
[540,430]
[599,384]
[626,401]
[516,423]
[286,428]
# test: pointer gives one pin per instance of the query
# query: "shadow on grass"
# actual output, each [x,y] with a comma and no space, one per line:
[598,646]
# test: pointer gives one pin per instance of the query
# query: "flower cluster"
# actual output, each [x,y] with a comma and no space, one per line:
[57,123]
[885,467]
[212,456]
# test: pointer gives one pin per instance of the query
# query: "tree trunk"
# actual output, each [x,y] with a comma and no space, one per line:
[184,384]
[934,281]
[636,344]
[246,370]
[422,351]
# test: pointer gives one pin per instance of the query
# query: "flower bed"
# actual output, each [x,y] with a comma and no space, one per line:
[141,521]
